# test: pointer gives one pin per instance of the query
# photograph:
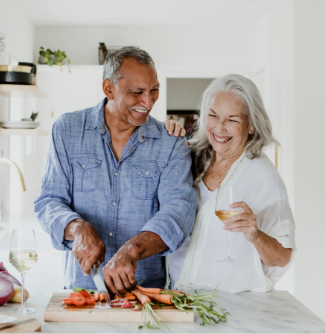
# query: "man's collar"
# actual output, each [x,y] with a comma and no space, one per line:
[150,129]
[96,119]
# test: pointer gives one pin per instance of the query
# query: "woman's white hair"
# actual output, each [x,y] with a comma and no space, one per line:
[246,90]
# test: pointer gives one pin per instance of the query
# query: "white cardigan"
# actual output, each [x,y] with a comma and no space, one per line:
[263,190]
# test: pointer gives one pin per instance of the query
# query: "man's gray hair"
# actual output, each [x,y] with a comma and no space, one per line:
[115,58]
[246,90]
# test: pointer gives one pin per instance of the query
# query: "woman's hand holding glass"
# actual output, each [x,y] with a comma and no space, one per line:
[244,222]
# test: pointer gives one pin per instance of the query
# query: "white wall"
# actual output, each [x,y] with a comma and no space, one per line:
[185,94]
[309,69]
[19,43]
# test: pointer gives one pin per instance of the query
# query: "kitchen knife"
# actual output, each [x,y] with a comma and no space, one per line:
[101,287]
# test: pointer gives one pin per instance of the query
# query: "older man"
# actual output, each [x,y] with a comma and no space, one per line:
[116,189]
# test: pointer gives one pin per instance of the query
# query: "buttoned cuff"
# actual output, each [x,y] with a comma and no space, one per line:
[170,233]
[57,232]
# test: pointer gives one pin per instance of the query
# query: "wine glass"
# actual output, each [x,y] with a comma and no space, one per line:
[23,256]
[226,196]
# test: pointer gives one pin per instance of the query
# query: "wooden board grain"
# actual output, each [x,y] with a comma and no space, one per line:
[56,311]
[23,324]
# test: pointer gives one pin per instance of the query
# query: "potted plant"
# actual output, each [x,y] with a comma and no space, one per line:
[46,57]
[53,58]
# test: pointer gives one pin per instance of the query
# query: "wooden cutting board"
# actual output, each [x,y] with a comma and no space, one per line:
[23,324]
[56,311]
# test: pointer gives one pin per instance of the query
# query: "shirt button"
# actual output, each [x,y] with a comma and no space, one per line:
[110,234]
[83,166]
[147,173]
[115,174]
[114,203]
[129,149]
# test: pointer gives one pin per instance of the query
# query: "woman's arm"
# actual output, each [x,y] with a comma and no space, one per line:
[271,252]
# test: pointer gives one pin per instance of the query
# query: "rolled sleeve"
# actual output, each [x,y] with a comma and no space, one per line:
[175,218]
[52,205]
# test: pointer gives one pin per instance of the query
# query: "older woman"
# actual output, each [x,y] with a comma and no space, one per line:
[227,149]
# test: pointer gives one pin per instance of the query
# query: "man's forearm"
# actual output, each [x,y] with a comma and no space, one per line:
[143,245]
[72,228]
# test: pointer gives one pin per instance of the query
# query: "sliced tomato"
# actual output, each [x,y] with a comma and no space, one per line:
[85,293]
[91,301]
[78,299]
[67,301]
[96,296]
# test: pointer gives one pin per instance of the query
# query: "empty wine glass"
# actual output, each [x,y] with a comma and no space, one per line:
[23,256]
[226,196]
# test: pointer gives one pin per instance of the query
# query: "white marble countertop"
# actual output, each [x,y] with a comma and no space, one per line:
[272,312]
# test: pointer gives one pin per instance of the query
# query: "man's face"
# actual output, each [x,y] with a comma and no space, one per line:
[136,94]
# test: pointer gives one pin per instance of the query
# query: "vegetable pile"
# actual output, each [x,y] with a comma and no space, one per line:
[10,287]
[202,303]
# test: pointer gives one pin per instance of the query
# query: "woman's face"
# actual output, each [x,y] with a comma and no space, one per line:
[227,125]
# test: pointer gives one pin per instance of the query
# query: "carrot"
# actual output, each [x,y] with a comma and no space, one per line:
[148,290]
[130,297]
[143,299]
[162,298]
[103,297]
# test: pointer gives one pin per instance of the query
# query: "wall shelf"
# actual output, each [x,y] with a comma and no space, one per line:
[7,90]
[26,132]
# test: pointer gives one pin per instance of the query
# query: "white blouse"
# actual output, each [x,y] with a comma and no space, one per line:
[194,265]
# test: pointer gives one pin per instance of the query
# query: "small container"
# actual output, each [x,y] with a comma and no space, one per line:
[33,66]
[102,53]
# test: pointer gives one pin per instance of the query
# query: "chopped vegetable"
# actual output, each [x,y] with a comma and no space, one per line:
[6,290]
[90,301]
[77,299]
[130,297]
[103,297]
[85,293]
[127,304]
[17,295]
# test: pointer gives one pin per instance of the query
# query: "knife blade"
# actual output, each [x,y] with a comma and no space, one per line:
[101,287]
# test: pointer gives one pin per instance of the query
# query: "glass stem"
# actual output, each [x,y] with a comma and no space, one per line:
[228,248]
[22,292]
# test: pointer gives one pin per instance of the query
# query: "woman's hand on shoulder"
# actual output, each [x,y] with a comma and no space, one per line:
[244,222]
[172,126]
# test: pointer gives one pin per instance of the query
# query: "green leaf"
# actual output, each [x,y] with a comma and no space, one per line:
[140,327]
[78,289]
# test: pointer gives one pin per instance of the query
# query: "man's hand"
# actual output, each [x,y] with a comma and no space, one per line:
[119,272]
[88,248]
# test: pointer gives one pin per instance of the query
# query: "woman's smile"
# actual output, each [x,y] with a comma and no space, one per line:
[221,140]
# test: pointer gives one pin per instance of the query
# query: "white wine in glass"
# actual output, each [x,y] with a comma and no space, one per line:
[228,195]
[23,256]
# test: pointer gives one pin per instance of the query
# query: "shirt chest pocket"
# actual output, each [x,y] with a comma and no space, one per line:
[145,180]
[85,173]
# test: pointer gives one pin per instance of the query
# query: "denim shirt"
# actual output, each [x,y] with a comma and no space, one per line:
[148,189]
